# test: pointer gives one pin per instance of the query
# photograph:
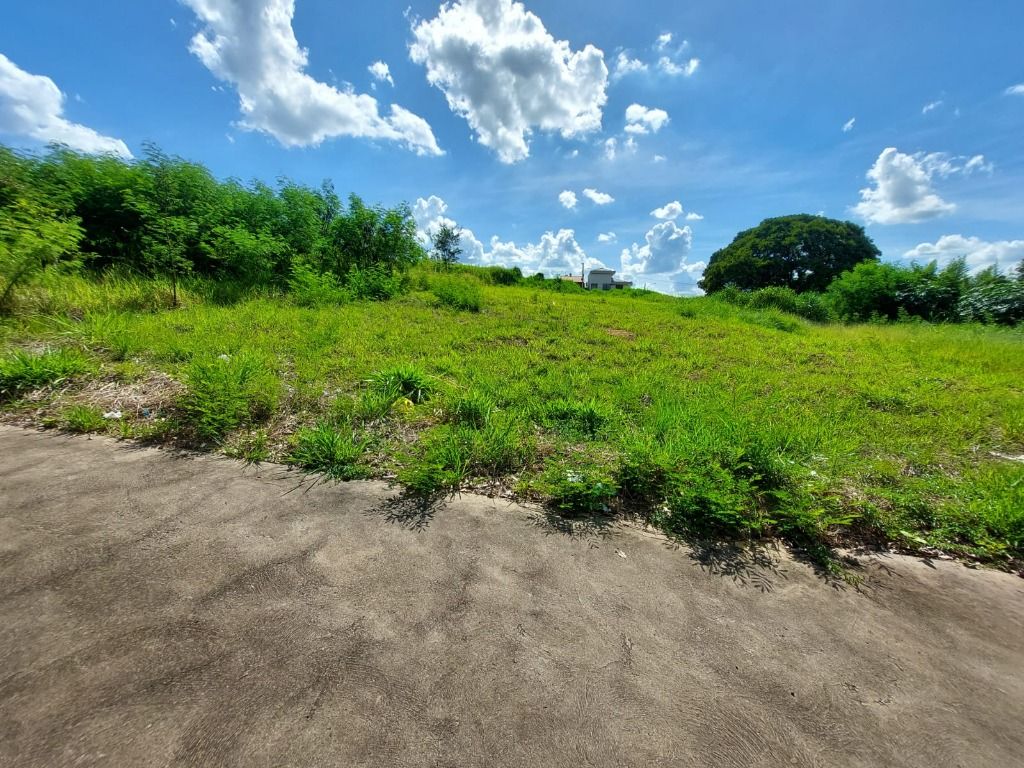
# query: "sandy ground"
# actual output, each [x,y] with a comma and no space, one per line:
[162,610]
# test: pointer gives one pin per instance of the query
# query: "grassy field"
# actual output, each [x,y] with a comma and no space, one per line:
[700,417]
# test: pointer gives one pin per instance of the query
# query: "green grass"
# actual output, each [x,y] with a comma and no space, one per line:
[327,449]
[704,417]
[22,371]
[84,419]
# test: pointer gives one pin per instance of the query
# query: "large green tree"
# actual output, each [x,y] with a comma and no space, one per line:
[802,252]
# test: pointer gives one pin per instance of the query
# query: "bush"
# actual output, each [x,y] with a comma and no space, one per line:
[378,283]
[225,392]
[996,300]
[311,289]
[22,371]
[458,293]
[328,450]
[503,275]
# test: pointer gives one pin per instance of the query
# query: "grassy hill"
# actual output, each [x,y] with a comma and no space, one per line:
[699,416]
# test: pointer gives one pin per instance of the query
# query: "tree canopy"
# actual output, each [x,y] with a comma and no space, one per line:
[162,215]
[801,252]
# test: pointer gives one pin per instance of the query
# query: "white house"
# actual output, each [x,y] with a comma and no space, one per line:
[604,280]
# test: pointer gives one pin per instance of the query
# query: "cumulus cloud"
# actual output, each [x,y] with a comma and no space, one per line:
[624,65]
[597,198]
[640,119]
[381,72]
[555,252]
[671,210]
[977,253]
[664,252]
[902,191]
[502,71]
[1015,90]
[567,198]
[611,148]
[663,41]
[931,106]
[670,67]
[848,125]
[251,44]
[33,106]
[660,158]
[691,216]
[606,237]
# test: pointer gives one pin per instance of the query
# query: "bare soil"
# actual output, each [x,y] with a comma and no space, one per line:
[160,609]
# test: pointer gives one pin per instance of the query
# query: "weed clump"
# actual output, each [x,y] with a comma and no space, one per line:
[225,392]
[406,381]
[23,371]
[576,418]
[329,450]
[83,419]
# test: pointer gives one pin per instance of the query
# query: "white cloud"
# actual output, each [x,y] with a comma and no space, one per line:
[659,158]
[640,119]
[1015,90]
[691,216]
[251,44]
[598,198]
[663,41]
[574,153]
[902,191]
[506,75]
[33,106]
[669,67]
[671,210]
[848,125]
[611,148]
[977,253]
[555,253]
[606,237]
[626,66]
[381,72]
[931,106]
[567,198]
[664,252]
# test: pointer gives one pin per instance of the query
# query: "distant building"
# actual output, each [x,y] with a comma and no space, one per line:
[578,279]
[604,280]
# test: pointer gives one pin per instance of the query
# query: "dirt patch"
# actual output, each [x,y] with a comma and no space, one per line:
[620,333]
[170,610]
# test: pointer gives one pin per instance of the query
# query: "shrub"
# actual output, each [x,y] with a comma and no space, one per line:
[378,283]
[329,450]
[225,392]
[997,300]
[777,297]
[308,288]
[83,419]
[405,381]
[503,275]
[24,371]
[458,293]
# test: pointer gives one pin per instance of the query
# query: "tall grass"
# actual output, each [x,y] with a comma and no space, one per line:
[707,418]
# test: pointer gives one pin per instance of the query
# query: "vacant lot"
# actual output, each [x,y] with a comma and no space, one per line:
[704,418]
[162,610]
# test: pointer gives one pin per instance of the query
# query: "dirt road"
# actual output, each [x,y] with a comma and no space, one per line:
[159,610]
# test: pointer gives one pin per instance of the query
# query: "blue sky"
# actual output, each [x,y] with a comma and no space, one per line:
[508,113]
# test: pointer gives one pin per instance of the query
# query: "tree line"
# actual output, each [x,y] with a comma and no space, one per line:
[162,215]
[827,269]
